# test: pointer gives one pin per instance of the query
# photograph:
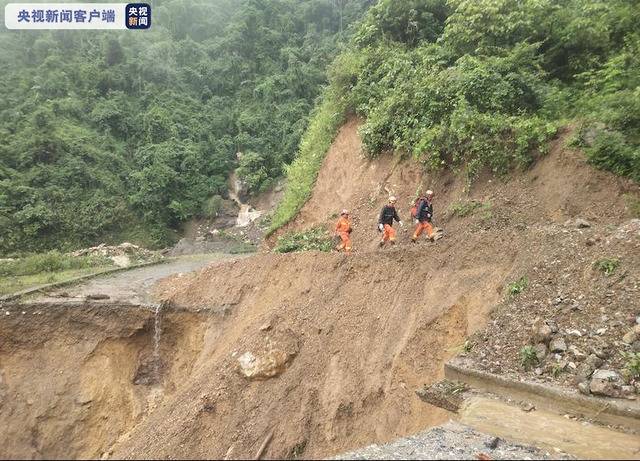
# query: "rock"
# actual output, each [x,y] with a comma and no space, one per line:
[636,329]
[600,331]
[538,371]
[635,347]
[541,331]
[583,387]
[264,366]
[97,296]
[541,351]
[266,327]
[553,325]
[627,390]
[558,345]
[574,333]
[581,223]
[629,337]
[600,353]
[572,366]
[605,382]
[443,394]
[594,361]
[121,260]
[590,242]
[577,353]
[583,373]
[493,443]
[527,406]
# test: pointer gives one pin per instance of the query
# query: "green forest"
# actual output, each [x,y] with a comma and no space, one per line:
[128,134]
[483,85]
[112,135]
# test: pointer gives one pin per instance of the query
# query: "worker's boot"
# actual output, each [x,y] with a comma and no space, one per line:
[381,243]
[414,239]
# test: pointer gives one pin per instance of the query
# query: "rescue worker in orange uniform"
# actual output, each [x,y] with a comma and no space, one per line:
[385,222]
[343,230]
[424,215]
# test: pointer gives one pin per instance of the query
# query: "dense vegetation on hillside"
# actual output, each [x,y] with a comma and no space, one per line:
[110,135]
[476,84]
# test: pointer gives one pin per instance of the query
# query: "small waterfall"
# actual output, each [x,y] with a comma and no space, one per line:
[247,214]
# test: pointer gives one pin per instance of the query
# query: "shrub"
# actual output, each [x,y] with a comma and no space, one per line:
[53,261]
[462,209]
[607,265]
[632,364]
[528,357]
[211,206]
[315,238]
[517,287]
[302,173]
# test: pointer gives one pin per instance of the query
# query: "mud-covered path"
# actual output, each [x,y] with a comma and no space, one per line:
[135,285]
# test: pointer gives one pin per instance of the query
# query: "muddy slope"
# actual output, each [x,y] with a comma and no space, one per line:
[363,332]
[75,378]
[349,339]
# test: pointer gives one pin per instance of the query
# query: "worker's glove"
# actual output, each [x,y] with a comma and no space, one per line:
[401,223]
[380,227]
[415,221]
[429,215]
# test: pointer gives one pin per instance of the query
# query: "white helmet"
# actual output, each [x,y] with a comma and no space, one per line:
[429,193]
[344,211]
[392,199]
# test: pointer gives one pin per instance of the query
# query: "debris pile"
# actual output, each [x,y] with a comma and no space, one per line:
[122,255]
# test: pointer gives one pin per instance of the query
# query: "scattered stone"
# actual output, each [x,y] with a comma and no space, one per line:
[577,353]
[493,443]
[601,331]
[443,394]
[574,333]
[582,223]
[541,351]
[558,345]
[590,242]
[594,361]
[538,371]
[266,327]
[572,366]
[629,337]
[583,373]
[635,347]
[583,387]
[527,406]
[541,331]
[600,353]
[605,382]
[627,390]
[553,325]
[97,296]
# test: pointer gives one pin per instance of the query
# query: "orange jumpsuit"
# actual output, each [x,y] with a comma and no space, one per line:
[426,225]
[389,234]
[342,229]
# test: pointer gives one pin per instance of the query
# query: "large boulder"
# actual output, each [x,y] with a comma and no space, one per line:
[264,365]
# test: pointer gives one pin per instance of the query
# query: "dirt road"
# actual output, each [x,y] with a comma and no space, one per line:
[135,285]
